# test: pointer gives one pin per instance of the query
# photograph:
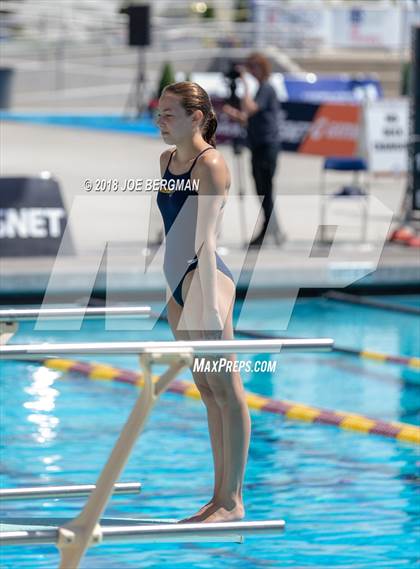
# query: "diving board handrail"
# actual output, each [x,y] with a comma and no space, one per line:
[21,314]
[185,530]
[198,347]
[74,537]
[172,532]
[10,318]
[64,491]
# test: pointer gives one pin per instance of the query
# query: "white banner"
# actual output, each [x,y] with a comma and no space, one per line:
[366,27]
[315,24]
[386,135]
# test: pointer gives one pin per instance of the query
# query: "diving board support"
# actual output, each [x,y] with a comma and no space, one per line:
[74,538]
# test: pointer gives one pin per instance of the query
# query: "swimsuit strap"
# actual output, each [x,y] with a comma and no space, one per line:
[169,161]
[197,157]
[192,165]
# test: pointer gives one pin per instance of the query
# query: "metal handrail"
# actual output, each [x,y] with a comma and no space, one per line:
[172,532]
[74,537]
[21,314]
[68,491]
[33,351]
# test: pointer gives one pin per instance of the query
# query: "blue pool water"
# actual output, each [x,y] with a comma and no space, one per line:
[349,500]
[143,125]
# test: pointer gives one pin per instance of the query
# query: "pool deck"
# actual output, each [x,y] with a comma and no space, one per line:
[277,270]
[74,155]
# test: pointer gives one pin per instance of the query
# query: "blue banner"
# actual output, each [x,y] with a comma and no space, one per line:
[311,88]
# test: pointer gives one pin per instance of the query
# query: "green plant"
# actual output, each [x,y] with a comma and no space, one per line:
[167,77]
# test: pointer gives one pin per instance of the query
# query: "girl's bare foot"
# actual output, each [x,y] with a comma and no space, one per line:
[220,511]
[224,514]
[197,517]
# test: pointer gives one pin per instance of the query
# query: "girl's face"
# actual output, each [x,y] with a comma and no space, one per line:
[174,123]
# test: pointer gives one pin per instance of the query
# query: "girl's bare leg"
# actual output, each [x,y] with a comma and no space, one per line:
[214,417]
[230,397]
[226,406]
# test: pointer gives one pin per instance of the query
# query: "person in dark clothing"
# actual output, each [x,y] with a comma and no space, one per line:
[261,117]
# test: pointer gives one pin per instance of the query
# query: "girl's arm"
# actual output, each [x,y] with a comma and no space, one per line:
[211,173]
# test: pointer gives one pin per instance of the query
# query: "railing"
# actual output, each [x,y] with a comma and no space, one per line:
[21,314]
[70,44]
[198,347]
[75,536]
[69,491]
[302,25]
[10,318]
[157,533]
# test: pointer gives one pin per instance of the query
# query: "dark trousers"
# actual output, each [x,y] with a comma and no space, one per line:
[264,161]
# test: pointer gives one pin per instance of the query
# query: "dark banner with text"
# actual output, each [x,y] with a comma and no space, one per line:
[325,129]
[32,218]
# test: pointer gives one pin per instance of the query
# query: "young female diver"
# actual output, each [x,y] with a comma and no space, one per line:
[201,288]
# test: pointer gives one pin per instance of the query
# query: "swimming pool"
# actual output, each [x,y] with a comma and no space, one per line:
[349,499]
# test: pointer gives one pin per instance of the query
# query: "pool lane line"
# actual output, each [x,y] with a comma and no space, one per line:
[366,301]
[339,364]
[411,362]
[291,410]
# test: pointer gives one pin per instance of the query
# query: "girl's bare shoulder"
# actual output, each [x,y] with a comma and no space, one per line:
[164,158]
[212,160]
[213,164]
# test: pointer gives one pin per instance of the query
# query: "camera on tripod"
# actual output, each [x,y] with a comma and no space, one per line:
[231,75]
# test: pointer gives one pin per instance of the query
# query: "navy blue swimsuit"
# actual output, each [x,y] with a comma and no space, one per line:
[179,212]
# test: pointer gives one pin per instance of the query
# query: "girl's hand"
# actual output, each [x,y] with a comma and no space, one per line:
[212,325]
